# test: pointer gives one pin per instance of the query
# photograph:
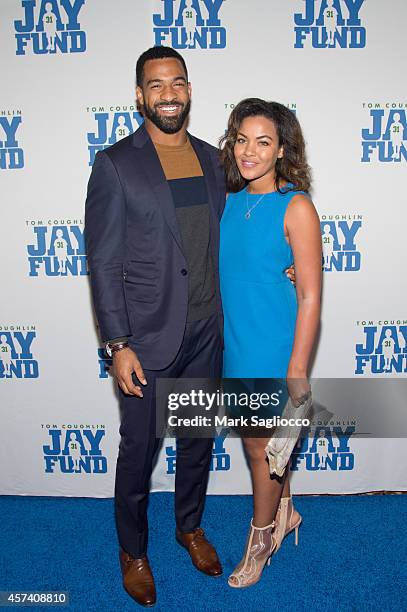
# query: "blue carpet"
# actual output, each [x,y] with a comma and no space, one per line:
[351,555]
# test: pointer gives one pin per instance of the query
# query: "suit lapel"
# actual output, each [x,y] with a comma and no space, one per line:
[149,161]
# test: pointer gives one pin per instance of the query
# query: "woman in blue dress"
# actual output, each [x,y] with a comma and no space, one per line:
[270,326]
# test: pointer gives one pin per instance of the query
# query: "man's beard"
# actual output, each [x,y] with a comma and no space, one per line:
[168,125]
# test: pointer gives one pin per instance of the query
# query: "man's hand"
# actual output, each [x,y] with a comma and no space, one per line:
[125,362]
[290,272]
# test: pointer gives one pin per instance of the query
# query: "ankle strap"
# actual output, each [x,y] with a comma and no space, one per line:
[262,528]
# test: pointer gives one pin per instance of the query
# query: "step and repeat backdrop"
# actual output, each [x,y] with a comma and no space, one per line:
[67,91]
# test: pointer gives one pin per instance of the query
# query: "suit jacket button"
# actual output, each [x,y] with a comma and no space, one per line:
[184,272]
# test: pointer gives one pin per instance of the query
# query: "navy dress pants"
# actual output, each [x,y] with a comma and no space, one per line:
[200,356]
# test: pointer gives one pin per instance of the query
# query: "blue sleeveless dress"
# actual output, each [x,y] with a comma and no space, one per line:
[259,301]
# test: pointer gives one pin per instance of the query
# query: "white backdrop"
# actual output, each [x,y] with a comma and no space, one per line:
[69,91]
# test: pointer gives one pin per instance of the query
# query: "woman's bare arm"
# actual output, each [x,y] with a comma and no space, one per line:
[304,234]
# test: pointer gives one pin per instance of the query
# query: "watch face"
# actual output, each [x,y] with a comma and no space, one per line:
[108,350]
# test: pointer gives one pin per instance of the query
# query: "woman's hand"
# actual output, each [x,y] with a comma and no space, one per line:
[298,389]
[298,386]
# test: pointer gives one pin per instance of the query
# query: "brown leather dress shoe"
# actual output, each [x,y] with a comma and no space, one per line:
[203,554]
[138,580]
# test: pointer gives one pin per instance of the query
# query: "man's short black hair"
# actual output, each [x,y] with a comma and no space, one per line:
[156,53]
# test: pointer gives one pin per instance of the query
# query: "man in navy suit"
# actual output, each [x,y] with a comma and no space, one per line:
[153,208]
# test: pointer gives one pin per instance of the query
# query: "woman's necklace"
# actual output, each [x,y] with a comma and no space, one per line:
[249,209]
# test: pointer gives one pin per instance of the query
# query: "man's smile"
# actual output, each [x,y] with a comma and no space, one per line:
[169,109]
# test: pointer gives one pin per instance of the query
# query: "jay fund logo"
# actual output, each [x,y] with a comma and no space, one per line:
[340,242]
[329,24]
[110,124]
[220,461]
[49,27]
[384,139]
[11,153]
[16,352]
[105,363]
[189,24]
[74,449]
[382,348]
[56,248]
[328,450]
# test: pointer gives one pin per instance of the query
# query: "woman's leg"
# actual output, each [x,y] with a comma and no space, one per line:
[286,488]
[267,490]
[287,517]
[266,498]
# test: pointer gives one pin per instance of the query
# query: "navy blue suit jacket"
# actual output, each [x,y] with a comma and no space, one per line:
[138,271]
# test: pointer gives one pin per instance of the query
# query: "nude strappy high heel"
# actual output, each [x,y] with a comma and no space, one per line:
[259,549]
[287,519]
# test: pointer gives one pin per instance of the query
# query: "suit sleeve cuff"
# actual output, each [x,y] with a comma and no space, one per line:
[118,340]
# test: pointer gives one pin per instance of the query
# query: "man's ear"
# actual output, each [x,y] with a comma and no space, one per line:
[190,89]
[139,96]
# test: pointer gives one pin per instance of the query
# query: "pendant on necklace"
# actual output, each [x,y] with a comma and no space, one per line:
[247,215]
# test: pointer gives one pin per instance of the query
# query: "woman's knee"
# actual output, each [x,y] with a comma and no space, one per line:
[254,449]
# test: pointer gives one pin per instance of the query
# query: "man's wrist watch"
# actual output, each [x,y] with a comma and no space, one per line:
[115,347]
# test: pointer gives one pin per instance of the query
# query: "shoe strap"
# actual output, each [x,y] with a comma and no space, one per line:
[262,528]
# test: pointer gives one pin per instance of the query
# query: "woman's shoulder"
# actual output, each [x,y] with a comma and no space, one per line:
[300,198]
[294,196]
[301,207]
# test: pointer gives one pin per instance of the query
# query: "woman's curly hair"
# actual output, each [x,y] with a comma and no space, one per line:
[291,168]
